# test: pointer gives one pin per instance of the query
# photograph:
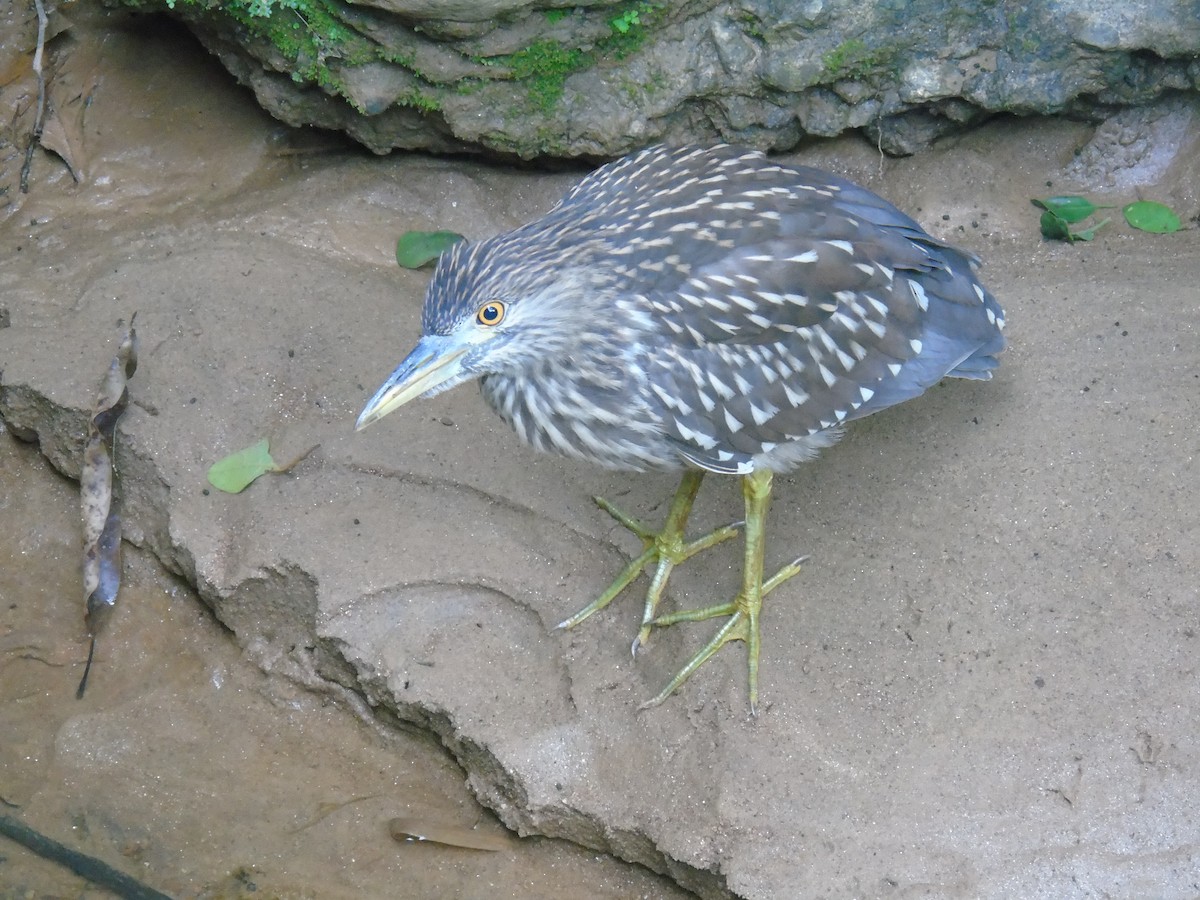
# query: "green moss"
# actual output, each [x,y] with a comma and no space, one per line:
[543,66]
[418,100]
[629,29]
[751,24]
[310,33]
[306,33]
[852,59]
[546,65]
[545,59]
[467,86]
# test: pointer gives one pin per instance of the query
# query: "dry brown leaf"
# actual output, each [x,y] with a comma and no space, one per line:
[69,91]
[414,829]
[61,140]
[18,66]
[101,517]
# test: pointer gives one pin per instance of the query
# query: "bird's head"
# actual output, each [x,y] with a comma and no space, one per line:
[493,307]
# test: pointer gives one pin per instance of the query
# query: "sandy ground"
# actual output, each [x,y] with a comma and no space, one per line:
[983,683]
[188,767]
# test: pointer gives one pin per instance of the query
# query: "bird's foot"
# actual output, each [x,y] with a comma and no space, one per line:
[743,615]
[665,548]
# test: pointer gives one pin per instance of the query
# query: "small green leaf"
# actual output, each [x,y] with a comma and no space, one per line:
[625,21]
[417,248]
[233,473]
[1054,228]
[1152,216]
[1069,209]
[1088,233]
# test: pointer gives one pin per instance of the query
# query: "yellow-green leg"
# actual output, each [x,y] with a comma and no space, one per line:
[743,612]
[665,547]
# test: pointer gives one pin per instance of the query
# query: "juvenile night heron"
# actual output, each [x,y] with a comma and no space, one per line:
[704,310]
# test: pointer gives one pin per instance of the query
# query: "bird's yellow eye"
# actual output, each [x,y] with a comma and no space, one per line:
[491,313]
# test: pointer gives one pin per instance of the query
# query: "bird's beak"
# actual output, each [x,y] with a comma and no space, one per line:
[435,360]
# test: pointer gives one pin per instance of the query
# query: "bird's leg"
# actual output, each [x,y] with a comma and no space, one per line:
[667,547]
[744,610]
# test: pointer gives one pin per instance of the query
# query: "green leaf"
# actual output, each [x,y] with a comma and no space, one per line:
[233,473]
[1152,216]
[1088,233]
[1054,228]
[626,20]
[417,248]
[1068,208]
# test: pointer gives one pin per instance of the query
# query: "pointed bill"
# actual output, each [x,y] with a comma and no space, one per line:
[433,362]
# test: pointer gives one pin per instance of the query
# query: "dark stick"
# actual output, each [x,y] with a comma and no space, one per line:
[94,870]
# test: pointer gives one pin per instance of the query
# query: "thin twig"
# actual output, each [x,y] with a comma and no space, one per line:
[86,671]
[295,462]
[35,139]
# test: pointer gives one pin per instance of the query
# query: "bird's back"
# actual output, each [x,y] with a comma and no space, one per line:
[774,303]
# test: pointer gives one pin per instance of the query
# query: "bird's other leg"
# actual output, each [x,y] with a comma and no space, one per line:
[666,547]
[743,612]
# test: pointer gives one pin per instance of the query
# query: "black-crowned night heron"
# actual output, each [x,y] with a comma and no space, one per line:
[704,310]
